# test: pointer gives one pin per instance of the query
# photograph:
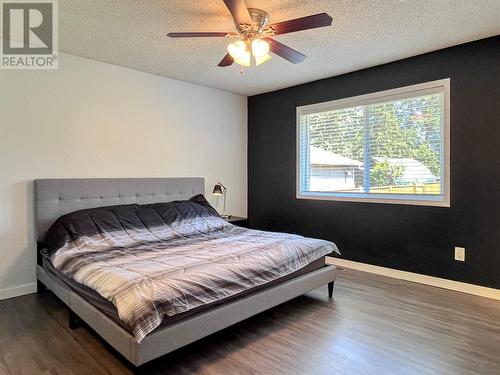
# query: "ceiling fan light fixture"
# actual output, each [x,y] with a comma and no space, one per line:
[252,26]
[239,52]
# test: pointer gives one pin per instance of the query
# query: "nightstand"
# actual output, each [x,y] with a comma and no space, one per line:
[237,220]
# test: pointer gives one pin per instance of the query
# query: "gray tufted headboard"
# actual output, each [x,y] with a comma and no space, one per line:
[57,197]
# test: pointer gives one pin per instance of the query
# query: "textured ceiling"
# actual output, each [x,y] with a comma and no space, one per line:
[365,33]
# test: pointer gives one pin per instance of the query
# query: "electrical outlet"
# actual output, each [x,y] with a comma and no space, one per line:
[460,254]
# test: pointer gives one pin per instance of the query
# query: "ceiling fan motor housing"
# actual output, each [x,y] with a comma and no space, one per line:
[260,20]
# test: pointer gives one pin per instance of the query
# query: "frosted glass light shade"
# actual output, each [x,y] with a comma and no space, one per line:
[262,59]
[260,48]
[240,54]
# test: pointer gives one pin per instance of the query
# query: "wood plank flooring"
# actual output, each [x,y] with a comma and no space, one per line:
[374,325]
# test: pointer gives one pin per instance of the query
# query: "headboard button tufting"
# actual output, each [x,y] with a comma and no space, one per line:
[57,197]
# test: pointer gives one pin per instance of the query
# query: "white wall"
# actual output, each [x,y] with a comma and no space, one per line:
[90,119]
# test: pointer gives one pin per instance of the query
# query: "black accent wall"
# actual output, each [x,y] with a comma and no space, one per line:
[411,238]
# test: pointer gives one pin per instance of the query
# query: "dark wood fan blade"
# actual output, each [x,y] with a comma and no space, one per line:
[284,51]
[304,23]
[226,61]
[201,35]
[239,11]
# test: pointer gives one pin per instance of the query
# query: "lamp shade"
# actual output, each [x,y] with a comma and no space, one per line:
[260,48]
[217,190]
[239,52]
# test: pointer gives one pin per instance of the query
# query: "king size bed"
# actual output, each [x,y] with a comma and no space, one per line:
[151,266]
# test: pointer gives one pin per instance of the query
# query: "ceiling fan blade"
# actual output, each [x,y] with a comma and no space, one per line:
[286,52]
[226,61]
[304,23]
[239,11]
[201,35]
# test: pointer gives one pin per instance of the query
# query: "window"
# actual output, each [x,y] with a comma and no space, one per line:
[387,147]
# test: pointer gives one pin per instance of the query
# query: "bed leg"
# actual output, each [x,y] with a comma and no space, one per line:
[140,370]
[40,287]
[74,320]
[330,289]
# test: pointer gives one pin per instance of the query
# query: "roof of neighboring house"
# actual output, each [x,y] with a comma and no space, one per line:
[322,157]
[414,171]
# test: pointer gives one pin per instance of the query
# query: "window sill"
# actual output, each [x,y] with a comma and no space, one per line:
[420,200]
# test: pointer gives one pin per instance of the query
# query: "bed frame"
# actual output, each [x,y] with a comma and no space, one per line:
[56,197]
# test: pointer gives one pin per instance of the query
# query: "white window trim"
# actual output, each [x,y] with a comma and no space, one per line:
[360,100]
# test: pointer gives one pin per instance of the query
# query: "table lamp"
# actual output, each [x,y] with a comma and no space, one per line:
[220,189]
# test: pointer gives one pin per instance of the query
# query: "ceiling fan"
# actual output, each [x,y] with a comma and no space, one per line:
[255,35]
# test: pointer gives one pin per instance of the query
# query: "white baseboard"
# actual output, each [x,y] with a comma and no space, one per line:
[17,291]
[418,278]
[389,272]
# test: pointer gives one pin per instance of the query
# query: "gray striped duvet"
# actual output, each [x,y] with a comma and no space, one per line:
[159,260]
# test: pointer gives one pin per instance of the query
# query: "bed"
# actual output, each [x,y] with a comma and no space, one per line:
[150,266]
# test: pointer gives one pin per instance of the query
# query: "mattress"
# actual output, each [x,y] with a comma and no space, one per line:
[156,262]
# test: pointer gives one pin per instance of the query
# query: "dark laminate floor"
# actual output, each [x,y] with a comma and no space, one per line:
[375,325]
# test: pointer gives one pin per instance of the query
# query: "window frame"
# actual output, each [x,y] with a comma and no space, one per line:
[432,87]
